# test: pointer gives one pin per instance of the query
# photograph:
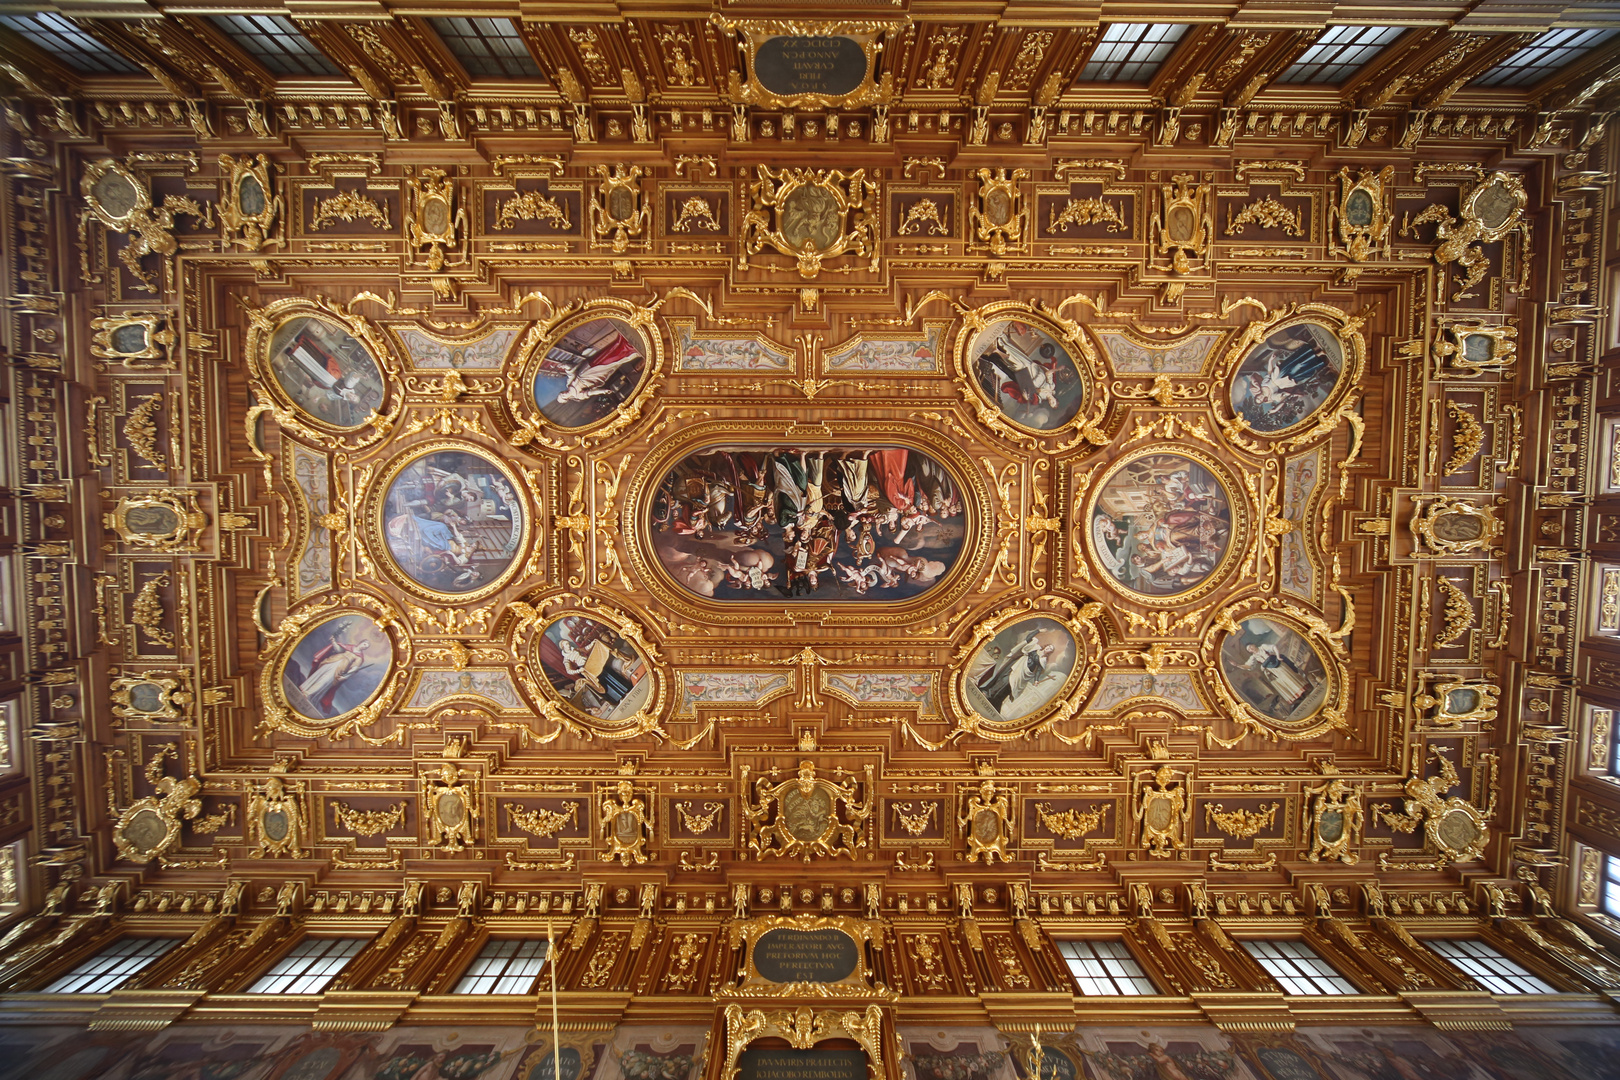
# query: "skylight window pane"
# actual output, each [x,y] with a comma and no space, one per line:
[1543,56]
[1131,52]
[309,967]
[487,47]
[1105,968]
[1338,53]
[112,967]
[276,43]
[1489,968]
[504,967]
[1298,969]
[67,43]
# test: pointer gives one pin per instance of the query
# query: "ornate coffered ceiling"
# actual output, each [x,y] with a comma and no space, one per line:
[639,493]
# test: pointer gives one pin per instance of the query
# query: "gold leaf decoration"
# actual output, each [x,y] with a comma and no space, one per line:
[1240,823]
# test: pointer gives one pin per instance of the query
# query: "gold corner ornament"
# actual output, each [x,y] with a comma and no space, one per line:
[122,202]
[1453,827]
[149,828]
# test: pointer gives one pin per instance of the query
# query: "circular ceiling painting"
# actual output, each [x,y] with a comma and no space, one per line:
[1021,369]
[1274,670]
[451,521]
[326,373]
[1288,377]
[592,667]
[585,375]
[336,666]
[1161,524]
[874,523]
[1021,670]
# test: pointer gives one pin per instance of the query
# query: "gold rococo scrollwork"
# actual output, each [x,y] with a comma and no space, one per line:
[819,214]
[1087,422]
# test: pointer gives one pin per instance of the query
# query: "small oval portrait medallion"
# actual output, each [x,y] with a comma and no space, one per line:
[1019,671]
[1027,374]
[585,375]
[326,373]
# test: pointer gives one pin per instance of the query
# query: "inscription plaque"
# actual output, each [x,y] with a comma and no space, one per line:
[789,65]
[766,1064]
[811,956]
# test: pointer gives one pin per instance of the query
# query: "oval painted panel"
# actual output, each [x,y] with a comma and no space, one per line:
[452,521]
[1287,377]
[1161,525]
[594,668]
[326,372]
[589,372]
[1358,208]
[1271,668]
[1027,374]
[336,666]
[1020,670]
[874,523]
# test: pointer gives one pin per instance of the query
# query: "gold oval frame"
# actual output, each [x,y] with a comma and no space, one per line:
[1074,687]
[1351,343]
[263,323]
[531,352]
[279,714]
[375,528]
[1237,543]
[1082,354]
[1306,726]
[656,694]
[972,560]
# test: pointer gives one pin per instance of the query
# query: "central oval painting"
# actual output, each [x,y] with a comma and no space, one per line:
[452,521]
[1027,374]
[1286,378]
[873,523]
[1161,524]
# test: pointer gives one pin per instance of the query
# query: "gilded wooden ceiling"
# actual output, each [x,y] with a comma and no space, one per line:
[793,496]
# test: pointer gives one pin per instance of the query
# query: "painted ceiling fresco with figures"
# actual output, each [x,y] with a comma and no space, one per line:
[949,497]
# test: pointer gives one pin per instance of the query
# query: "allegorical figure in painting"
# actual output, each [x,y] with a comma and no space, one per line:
[453,521]
[1273,669]
[1031,378]
[1285,378]
[829,522]
[1162,525]
[326,372]
[588,373]
[336,666]
[593,667]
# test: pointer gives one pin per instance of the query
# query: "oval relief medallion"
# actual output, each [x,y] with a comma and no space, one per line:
[1288,377]
[873,523]
[326,373]
[1161,524]
[336,666]
[1273,669]
[450,520]
[1019,672]
[1027,374]
[593,668]
[587,373]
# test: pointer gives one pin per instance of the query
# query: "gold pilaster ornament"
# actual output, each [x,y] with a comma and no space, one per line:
[1333,819]
[986,824]
[433,220]
[163,519]
[1183,222]
[451,808]
[619,213]
[1161,810]
[276,821]
[249,204]
[999,217]
[1359,221]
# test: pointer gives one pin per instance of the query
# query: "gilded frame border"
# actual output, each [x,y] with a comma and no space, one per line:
[279,715]
[1320,420]
[1087,365]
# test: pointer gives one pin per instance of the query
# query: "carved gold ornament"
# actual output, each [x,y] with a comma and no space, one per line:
[803,1028]
[452,808]
[587,695]
[1452,826]
[1447,527]
[999,217]
[1464,350]
[249,203]
[1358,223]
[150,827]
[433,220]
[627,825]
[164,519]
[349,205]
[1490,211]
[986,824]
[696,213]
[151,695]
[1333,819]
[619,212]
[1450,701]
[275,818]
[136,339]
[1183,222]
[812,215]
[800,817]
[358,651]
[1072,823]
[1161,811]
[122,201]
